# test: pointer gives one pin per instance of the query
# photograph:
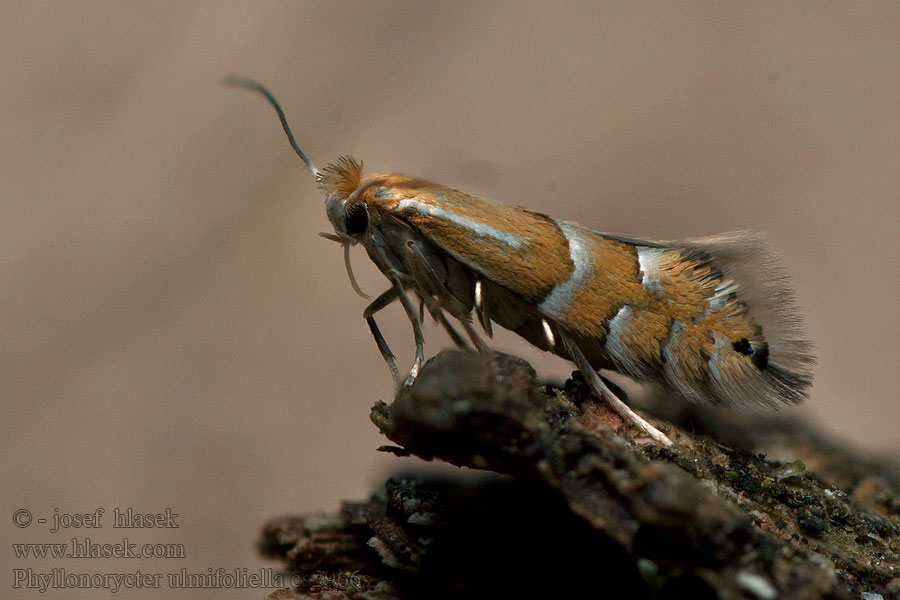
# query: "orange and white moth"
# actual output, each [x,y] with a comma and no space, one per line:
[711,319]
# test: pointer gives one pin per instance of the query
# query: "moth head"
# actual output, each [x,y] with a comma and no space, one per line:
[340,182]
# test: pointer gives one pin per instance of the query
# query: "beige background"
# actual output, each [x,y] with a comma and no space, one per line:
[175,333]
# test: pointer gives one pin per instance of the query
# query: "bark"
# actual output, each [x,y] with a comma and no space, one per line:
[575,503]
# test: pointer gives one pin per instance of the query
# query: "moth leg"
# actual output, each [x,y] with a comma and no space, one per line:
[388,264]
[411,312]
[429,281]
[548,334]
[481,309]
[380,302]
[425,275]
[438,315]
[385,350]
[601,389]
[454,335]
[473,335]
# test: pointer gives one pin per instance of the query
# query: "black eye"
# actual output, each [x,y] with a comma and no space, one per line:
[356,220]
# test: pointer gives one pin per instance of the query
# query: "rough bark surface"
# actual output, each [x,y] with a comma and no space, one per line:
[740,507]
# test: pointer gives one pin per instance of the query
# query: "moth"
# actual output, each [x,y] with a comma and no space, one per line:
[711,319]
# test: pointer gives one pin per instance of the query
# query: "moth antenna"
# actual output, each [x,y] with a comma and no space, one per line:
[353,282]
[249,84]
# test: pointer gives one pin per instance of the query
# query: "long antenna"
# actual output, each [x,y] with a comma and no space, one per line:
[243,82]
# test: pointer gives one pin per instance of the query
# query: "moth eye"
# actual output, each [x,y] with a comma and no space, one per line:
[356,220]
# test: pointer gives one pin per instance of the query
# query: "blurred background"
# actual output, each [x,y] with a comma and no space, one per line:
[175,333]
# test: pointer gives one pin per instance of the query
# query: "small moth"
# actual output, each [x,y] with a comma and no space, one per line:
[711,319]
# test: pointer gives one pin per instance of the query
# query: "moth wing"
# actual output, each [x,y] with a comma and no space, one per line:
[521,257]
[522,251]
[744,266]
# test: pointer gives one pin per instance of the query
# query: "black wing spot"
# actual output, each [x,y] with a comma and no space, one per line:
[743,346]
[760,356]
[356,220]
